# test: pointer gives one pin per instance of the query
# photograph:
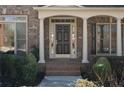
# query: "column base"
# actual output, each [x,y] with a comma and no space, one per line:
[85,61]
[42,68]
[41,61]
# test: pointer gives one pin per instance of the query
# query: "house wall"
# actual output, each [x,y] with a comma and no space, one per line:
[46,38]
[33,27]
[79,38]
[33,21]
[72,65]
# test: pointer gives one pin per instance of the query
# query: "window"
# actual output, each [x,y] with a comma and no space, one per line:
[104,38]
[62,20]
[13,33]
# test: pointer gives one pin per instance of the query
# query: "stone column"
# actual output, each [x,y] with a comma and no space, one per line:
[85,42]
[119,38]
[41,41]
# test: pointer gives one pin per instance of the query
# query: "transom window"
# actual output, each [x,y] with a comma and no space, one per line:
[13,33]
[62,20]
[104,38]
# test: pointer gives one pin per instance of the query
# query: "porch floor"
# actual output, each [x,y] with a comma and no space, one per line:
[59,81]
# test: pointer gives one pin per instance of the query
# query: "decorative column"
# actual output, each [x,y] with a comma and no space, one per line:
[41,41]
[85,42]
[119,38]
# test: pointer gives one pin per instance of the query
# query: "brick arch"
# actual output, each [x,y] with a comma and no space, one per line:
[104,15]
[102,19]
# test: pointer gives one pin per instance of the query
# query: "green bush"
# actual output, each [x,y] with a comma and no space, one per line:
[102,69]
[35,52]
[8,67]
[20,61]
[117,64]
[18,70]
[30,69]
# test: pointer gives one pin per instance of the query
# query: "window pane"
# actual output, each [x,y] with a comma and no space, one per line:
[21,31]
[113,38]
[103,38]
[20,18]
[21,36]
[21,45]
[7,37]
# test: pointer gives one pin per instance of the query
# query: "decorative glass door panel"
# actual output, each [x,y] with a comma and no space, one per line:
[62,38]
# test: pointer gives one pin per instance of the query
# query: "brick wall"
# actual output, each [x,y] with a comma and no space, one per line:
[46,38]
[33,27]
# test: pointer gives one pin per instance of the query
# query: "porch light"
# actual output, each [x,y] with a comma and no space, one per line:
[52,38]
[52,35]
[52,43]
[73,36]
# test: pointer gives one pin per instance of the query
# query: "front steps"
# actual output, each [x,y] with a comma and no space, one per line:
[62,67]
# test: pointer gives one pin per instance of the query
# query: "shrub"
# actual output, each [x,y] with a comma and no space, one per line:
[19,70]
[117,64]
[102,69]
[35,52]
[8,66]
[30,69]
[20,61]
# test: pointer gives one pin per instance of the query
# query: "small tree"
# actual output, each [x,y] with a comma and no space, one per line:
[102,69]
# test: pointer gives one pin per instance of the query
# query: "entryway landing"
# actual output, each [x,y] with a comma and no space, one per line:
[59,81]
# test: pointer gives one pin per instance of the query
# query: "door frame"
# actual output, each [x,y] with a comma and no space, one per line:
[52,38]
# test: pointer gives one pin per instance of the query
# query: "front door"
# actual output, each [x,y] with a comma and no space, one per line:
[62,38]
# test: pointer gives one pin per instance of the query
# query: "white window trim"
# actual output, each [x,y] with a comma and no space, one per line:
[51,27]
[15,37]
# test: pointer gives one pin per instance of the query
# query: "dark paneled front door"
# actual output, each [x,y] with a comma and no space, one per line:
[62,38]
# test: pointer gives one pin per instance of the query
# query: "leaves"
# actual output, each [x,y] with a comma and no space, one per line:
[102,69]
[84,83]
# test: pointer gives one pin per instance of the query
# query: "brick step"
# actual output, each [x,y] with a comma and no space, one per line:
[62,73]
[62,68]
[60,60]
